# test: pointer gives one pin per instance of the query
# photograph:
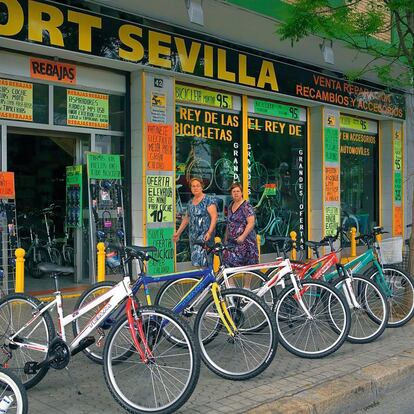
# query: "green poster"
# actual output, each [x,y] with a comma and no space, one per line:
[104,166]
[332,220]
[331,145]
[159,199]
[278,110]
[161,238]
[397,185]
[74,196]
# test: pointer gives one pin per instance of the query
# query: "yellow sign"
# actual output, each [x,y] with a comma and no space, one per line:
[189,94]
[158,99]
[16,100]
[159,199]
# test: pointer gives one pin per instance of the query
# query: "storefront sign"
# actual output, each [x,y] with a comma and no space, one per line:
[16,100]
[104,166]
[188,94]
[331,145]
[332,220]
[161,238]
[159,147]
[52,71]
[87,109]
[353,143]
[332,183]
[174,50]
[159,199]
[7,185]
[279,110]
[275,126]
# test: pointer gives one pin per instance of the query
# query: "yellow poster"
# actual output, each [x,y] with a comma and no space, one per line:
[200,96]
[16,100]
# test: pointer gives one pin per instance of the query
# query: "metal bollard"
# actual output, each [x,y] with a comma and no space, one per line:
[258,241]
[293,236]
[19,253]
[352,235]
[101,262]
[216,260]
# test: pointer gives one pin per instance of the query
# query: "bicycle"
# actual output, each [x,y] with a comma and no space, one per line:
[224,173]
[13,396]
[142,337]
[225,322]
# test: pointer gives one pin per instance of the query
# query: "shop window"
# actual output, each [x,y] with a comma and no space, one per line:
[277,169]
[208,146]
[359,173]
[88,109]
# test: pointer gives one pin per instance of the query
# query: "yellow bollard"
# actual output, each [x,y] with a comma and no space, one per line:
[293,236]
[101,262]
[353,241]
[258,240]
[19,253]
[216,260]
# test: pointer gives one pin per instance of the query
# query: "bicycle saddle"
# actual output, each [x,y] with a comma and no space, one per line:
[54,268]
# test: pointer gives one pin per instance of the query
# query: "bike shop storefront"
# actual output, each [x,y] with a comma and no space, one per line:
[47,130]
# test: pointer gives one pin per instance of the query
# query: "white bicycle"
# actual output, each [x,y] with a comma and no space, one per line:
[13,396]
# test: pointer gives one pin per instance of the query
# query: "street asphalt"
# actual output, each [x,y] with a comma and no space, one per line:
[355,377]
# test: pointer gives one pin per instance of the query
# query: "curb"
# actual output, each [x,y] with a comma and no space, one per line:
[348,393]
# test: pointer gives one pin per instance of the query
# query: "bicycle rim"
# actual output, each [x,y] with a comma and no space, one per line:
[11,389]
[167,381]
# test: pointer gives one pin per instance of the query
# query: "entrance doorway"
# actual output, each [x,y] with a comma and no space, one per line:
[39,163]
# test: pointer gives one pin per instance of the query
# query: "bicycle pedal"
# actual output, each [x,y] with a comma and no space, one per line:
[83,344]
[31,367]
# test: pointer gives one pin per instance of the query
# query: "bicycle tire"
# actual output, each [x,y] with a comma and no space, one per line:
[258,176]
[302,341]
[55,256]
[243,307]
[139,387]
[400,286]
[68,254]
[10,385]
[199,168]
[223,174]
[370,320]
[13,316]
[95,351]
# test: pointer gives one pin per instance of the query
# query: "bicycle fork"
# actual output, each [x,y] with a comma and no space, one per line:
[222,310]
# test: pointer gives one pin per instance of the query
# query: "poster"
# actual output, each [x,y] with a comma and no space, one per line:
[331,183]
[397,227]
[331,145]
[159,199]
[87,109]
[332,220]
[189,94]
[159,147]
[7,185]
[16,100]
[74,196]
[161,238]
[158,109]
[397,186]
[104,166]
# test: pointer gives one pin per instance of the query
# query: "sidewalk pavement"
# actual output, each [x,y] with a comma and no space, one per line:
[353,378]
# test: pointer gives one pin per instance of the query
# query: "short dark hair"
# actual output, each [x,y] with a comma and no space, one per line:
[236,185]
[198,179]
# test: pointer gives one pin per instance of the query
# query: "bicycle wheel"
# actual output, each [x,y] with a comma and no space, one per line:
[95,351]
[12,393]
[369,315]
[398,287]
[15,311]
[312,335]
[69,255]
[249,351]
[55,256]
[200,168]
[163,383]
[223,174]
[258,176]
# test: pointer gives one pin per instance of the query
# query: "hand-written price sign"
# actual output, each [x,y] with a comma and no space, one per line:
[7,185]
[104,166]
[397,154]
[87,109]
[279,110]
[74,174]
[161,238]
[159,199]
[397,228]
[397,185]
[203,97]
[159,147]
[331,145]
[332,220]
[16,100]
[331,183]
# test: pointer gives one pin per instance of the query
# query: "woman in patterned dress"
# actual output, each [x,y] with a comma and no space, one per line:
[202,218]
[240,230]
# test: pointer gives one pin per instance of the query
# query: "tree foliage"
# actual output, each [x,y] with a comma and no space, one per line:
[359,24]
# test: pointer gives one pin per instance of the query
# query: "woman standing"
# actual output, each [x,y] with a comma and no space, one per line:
[202,218]
[240,230]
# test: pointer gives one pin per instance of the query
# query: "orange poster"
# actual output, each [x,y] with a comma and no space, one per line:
[331,184]
[159,147]
[397,227]
[52,71]
[7,185]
